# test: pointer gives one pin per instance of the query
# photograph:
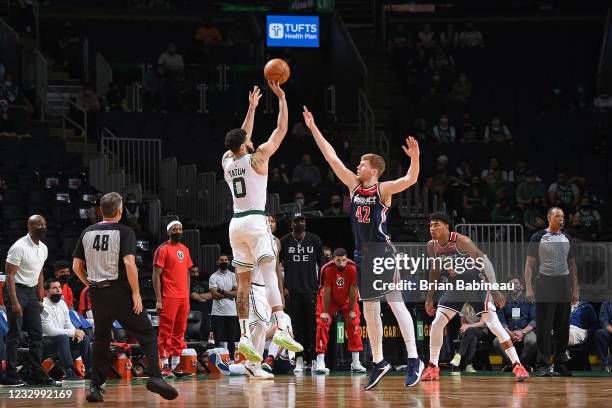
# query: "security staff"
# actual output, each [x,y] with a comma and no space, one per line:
[108,250]
[556,284]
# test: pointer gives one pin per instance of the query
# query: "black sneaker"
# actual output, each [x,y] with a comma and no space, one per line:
[71,376]
[414,369]
[44,382]
[378,372]
[161,387]
[95,394]
[10,382]
[562,370]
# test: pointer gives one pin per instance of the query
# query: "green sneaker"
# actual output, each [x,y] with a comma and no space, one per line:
[282,338]
[470,369]
[249,351]
[456,360]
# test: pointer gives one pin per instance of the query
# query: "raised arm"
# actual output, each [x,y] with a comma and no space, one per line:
[247,125]
[345,175]
[267,149]
[396,186]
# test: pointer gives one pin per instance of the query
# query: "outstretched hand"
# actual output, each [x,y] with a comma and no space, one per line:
[412,148]
[275,87]
[308,118]
[254,97]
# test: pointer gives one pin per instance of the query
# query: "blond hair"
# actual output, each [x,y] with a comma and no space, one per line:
[375,161]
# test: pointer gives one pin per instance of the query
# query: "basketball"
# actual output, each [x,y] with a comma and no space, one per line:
[277,70]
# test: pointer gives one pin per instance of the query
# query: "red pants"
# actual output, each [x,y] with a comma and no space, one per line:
[351,326]
[172,326]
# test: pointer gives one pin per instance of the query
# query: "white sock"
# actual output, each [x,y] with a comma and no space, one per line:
[237,369]
[223,344]
[175,361]
[164,361]
[355,355]
[320,358]
[511,352]
[404,320]
[279,316]
[436,336]
[502,335]
[273,350]
[371,312]
[267,267]
[299,361]
[244,328]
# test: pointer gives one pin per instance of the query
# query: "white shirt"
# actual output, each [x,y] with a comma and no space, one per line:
[225,281]
[56,319]
[249,188]
[29,259]
[171,62]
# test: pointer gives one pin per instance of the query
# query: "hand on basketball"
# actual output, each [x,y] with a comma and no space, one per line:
[412,148]
[429,307]
[308,118]
[254,97]
[352,315]
[275,87]
[137,303]
[499,299]
[325,317]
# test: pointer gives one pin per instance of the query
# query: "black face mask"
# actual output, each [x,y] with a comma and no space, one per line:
[39,233]
[586,207]
[336,205]
[177,237]
[223,266]
[299,228]
[340,268]
[131,207]
[63,279]
[56,297]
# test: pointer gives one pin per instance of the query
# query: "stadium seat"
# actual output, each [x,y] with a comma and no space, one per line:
[192,334]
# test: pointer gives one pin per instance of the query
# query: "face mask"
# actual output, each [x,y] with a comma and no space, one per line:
[300,202]
[63,279]
[56,297]
[517,290]
[586,206]
[340,268]
[299,228]
[223,266]
[131,207]
[177,237]
[336,205]
[40,233]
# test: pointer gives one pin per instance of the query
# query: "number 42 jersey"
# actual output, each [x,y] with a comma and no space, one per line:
[368,216]
[249,188]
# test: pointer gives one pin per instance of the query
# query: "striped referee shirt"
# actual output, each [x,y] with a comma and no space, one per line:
[102,246]
[552,251]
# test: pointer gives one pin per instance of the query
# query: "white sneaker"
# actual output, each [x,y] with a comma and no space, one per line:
[249,351]
[320,367]
[255,372]
[456,361]
[357,367]
[299,365]
[283,336]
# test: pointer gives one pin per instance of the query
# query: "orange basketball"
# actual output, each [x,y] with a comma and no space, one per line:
[277,70]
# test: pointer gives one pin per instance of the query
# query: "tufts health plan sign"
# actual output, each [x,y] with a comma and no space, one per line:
[293,31]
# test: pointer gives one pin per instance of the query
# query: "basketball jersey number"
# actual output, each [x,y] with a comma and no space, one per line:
[363,214]
[100,246]
[239,187]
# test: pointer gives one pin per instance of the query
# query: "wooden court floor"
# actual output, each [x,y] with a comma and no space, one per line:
[342,390]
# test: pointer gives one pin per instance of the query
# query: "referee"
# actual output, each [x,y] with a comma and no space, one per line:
[108,249]
[551,254]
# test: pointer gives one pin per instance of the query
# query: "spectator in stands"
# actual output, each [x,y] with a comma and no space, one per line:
[419,64]
[443,132]
[464,173]
[224,318]
[200,300]
[496,131]
[426,38]
[534,216]
[518,174]
[442,62]
[439,88]
[60,337]
[208,34]
[603,336]
[583,322]
[494,175]
[306,173]
[335,208]
[503,213]
[588,217]
[62,274]
[399,41]
[10,92]
[7,125]
[237,35]
[462,89]
[518,319]
[473,328]
[85,304]
[421,131]
[474,199]
[449,38]
[132,213]
[172,62]
[603,102]
[87,98]
[471,37]
[439,183]
[279,182]
[114,98]
[468,132]
[327,254]
[578,231]
[563,193]
[530,189]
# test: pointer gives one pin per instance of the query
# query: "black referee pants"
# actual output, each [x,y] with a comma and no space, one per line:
[115,303]
[302,310]
[553,297]
[226,329]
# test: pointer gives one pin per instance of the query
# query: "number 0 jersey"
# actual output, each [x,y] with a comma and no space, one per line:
[368,216]
[249,188]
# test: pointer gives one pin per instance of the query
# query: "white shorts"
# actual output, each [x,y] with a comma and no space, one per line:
[251,240]
[577,334]
[260,311]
